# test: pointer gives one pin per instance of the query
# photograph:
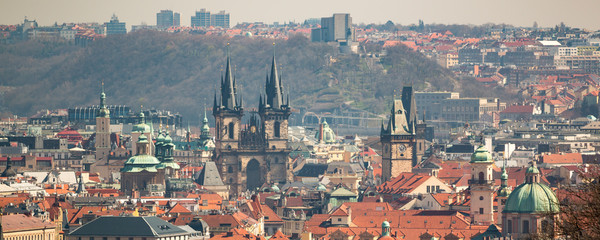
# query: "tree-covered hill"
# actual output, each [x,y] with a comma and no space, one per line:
[180,72]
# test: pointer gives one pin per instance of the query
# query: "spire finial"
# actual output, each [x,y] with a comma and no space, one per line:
[274,49]
[227,49]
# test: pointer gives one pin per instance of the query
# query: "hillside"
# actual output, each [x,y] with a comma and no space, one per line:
[180,72]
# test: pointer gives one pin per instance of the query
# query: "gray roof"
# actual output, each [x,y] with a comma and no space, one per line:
[348,168]
[128,226]
[209,175]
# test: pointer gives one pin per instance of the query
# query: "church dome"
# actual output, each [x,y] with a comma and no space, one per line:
[532,198]
[481,155]
[328,134]
[103,112]
[142,127]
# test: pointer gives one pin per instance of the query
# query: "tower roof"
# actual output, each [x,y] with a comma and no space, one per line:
[481,155]
[398,123]
[209,175]
[103,112]
[229,99]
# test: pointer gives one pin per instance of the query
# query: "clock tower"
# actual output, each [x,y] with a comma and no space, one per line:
[398,140]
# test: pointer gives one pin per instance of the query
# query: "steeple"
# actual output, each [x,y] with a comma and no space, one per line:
[398,123]
[273,87]
[103,111]
[228,88]
[408,100]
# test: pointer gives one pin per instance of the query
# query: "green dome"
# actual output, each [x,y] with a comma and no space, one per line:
[170,164]
[103,112]
[142,138]
[328,134]
[321,187]
[532,169]
[385,224]
[504,192]
[167,139]
[160,138]
[142,128]
[531,198]
[142,160]
[274,188]
[481,155]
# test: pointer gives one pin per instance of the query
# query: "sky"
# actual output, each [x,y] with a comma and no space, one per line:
[548,13]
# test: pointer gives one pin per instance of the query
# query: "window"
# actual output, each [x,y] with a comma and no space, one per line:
[509,226]
[230,169]
[428,189]
[277,129]
[480,210]
[231,129]
[525,226]
[481,198]
[481,176]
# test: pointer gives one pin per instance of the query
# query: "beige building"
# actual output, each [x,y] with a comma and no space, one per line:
[22,227]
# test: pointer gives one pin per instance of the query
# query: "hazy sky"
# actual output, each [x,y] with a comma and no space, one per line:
[575,13]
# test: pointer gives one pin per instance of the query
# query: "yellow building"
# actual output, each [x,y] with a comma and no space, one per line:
[22,227]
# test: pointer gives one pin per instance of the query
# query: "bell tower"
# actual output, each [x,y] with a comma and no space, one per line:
[228,112]
[274,112]
[398,142]
[482,187]
[102,129]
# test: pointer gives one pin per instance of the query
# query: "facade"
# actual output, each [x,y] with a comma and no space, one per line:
[429,103]
[469,109]
[220,19]
[257,154]
[115,27]
[399,137]
[335,29]
[201,19]
[167,18]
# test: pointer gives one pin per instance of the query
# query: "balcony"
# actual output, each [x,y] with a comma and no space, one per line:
[480,182]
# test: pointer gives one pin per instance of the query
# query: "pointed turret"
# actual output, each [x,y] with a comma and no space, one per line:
[273,90]
[228,89]
[408,100]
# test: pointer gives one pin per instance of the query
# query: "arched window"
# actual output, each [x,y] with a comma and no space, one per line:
[277,129]
[481,176]
[231,129]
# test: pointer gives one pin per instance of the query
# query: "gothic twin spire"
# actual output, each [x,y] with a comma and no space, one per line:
[230,100]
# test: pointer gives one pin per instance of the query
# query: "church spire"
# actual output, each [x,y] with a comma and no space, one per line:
[228,90]
[273,87]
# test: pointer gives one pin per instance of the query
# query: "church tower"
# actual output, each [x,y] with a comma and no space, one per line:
[102,130]
[482,187]
[274,112]
[228,113]
[398,142]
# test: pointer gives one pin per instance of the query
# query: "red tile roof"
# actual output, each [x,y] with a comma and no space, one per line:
[563,158]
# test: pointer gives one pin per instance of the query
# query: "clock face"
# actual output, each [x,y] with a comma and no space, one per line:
[402,148]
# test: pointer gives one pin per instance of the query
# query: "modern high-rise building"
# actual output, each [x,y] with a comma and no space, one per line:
[167,18]
[337,28]
[201,19]
[220,19]
[115,27]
